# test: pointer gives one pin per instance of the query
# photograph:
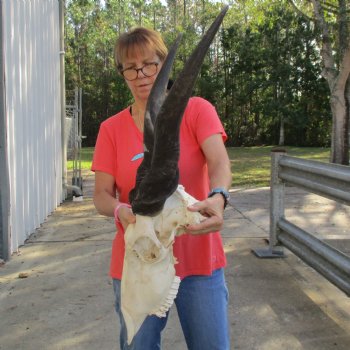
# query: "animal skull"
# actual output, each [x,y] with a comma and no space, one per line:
[149,284]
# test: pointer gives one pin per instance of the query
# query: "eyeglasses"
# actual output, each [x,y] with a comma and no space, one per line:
[148,70]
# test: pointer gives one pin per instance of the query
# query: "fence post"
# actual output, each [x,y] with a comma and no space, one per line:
[276,208]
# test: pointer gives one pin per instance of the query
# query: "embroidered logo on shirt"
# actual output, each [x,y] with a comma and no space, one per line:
[137,156]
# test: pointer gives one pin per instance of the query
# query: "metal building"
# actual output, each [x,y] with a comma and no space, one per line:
[31,108]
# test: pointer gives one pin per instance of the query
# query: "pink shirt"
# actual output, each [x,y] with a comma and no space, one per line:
[118,152]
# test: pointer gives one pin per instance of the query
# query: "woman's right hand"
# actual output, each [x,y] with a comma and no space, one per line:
[126,216]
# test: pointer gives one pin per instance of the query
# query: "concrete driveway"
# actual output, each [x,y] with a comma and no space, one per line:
[55,293]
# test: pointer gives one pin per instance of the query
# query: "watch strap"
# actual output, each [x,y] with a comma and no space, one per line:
[221,191]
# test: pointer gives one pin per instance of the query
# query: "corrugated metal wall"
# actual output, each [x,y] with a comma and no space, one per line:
[33,111]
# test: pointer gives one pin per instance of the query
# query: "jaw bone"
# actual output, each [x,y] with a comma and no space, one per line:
[149,285]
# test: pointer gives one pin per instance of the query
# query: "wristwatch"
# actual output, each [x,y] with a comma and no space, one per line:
[223,192]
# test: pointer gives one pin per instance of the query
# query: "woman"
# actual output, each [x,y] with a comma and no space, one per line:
[202,298]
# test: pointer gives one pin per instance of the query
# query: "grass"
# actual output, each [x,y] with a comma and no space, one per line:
[86,158]
[250,165]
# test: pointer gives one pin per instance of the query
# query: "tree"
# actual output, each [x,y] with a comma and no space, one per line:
[273,90]
[333,20]
[262,72]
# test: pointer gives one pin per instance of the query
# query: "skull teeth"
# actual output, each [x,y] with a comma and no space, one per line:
[169,300]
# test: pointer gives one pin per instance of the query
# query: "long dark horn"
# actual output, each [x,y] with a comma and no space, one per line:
[155,101]
[161,179]
[157,94]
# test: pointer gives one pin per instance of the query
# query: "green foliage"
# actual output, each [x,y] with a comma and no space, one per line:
[263,70]
[274,76]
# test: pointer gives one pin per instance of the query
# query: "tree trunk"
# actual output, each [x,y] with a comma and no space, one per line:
[281,138]
[347,120]
[340,150]
[337,81]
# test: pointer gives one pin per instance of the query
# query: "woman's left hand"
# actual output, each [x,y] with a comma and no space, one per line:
[213,209]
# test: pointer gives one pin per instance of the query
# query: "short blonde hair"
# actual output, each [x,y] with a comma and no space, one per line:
[139,38]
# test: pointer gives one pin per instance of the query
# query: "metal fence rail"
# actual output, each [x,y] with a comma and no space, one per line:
[328,180]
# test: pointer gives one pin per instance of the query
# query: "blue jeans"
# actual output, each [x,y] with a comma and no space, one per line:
[201,304]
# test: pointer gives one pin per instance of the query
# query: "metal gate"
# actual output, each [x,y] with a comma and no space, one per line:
[74,134]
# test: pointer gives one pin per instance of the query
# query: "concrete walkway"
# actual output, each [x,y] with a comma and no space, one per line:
[55,293]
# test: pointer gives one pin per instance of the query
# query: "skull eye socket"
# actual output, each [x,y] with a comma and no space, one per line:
[147,250]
